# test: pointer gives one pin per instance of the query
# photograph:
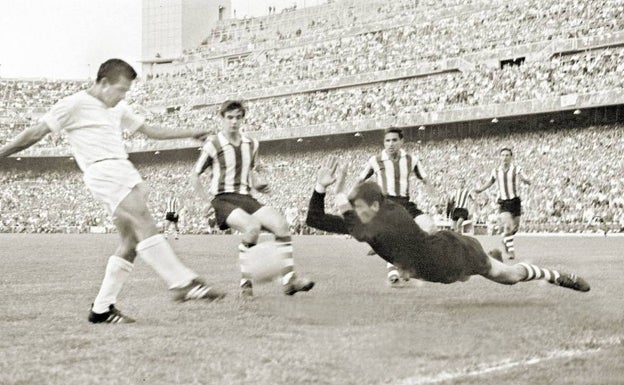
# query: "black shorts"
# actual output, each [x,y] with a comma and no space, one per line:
[172,217]
[410,206]
[512,206]
[447,257]
[224,204]
[459,212]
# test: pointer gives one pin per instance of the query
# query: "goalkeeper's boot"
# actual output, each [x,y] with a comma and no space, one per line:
[112,316]
[573,281]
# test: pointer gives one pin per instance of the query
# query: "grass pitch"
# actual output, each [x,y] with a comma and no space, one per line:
[350,329]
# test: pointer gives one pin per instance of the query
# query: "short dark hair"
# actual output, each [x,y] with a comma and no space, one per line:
[369,192]
[394,130]
[506,149]
[231,105]
[113,69]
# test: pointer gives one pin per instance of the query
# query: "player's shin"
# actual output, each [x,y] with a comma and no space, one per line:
[285,248]
[535,272]
[245,283]
[159,255]
[508,242]
[117,272]
[291,282]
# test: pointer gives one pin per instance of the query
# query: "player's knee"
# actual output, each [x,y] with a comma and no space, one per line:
[282,229]
[252,228]
[127,250]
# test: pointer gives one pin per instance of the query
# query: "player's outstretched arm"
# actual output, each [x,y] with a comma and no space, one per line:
[486,186]
[25,139]
[162,133]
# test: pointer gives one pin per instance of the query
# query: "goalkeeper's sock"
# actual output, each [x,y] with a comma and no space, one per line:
[535,272]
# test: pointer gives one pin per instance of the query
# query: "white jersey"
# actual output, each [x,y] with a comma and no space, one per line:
[94,131]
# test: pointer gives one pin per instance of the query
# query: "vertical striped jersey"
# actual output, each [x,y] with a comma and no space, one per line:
[393,173]
[461,198]
[507,181]
[231,165]
[172,204]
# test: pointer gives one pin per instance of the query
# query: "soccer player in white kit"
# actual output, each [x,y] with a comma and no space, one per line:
[93,121]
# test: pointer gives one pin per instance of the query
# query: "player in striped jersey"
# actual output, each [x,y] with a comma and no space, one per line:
[507,176]
[231,157]
[171,215]
[393,168]
[460,212]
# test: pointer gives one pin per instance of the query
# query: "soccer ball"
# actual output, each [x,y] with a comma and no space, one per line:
[263,262]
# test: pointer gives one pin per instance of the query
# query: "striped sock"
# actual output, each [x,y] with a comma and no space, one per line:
[242,254]
[536,272]
[285,248]
[392,270]
[508,241]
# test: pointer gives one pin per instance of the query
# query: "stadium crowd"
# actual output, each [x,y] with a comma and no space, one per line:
[588,72]
[296,63]
[578,178]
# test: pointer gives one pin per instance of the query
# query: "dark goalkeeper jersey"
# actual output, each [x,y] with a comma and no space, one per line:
[444,256]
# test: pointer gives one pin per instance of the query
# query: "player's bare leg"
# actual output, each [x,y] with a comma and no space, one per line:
[510,227]
[273,221]
[249,227]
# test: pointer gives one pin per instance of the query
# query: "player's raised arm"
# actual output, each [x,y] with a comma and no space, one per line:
[316,216]
[25,139]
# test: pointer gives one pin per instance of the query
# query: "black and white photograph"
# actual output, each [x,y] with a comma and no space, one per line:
[312,192]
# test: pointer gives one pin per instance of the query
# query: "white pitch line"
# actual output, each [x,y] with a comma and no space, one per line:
[504,365]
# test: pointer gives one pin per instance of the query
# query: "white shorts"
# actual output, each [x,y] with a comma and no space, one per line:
[111,180]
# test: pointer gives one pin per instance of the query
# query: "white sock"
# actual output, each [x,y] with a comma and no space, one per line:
[157,253]
[117,272]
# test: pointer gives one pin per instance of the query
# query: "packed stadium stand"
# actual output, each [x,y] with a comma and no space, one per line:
[462,78]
